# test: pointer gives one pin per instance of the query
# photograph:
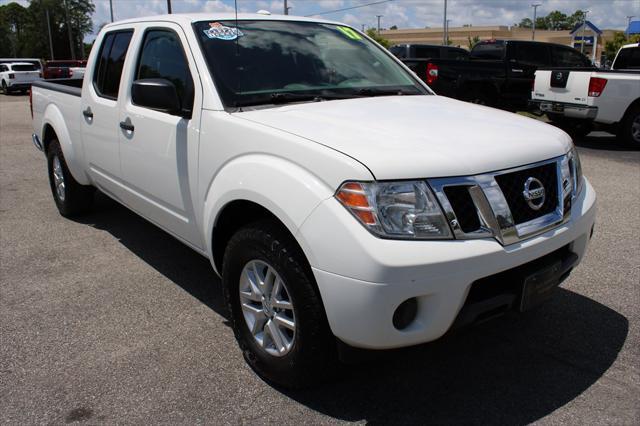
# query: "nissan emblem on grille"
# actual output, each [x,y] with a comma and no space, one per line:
[534,193]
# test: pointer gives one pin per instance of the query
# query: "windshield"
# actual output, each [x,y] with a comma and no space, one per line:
[265,62]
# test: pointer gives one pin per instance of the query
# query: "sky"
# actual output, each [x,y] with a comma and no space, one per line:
[605,14]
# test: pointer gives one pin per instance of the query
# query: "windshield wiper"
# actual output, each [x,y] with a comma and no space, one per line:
[290,97]
[369,91]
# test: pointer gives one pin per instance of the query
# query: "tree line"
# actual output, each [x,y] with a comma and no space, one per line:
[555,20]
[24,30]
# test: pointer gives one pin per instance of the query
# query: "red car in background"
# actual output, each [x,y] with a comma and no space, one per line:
[61,69]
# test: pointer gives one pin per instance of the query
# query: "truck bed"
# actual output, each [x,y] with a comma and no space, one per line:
[64,85]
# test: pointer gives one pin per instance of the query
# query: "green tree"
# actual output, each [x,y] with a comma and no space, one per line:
[611,47]
[23,31]
[472,41]
[371,32]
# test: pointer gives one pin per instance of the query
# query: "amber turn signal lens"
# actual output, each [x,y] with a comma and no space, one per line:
[354,197]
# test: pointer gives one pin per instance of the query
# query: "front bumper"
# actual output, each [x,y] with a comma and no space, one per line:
[363,279]
[565,109]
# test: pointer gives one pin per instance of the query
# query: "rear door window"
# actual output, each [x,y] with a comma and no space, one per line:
[532,54]
[106,77]
[488,51]
[568,57]
[427,52]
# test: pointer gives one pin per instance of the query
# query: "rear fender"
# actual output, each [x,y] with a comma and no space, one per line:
[72,153]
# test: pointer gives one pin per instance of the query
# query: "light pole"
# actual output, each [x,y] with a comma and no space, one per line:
[50,39]
[447,32]
[533,26]
[584,24]
[286,8]
[169,7]
[445,36]
[111,9]
[379,16]
[629,22]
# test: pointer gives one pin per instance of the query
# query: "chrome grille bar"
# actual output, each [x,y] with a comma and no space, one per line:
[492,208]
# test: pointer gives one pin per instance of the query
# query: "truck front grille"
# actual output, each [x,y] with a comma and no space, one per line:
[509,205]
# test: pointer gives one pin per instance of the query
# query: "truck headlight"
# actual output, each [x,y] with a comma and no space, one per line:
[571,174]
[403,210]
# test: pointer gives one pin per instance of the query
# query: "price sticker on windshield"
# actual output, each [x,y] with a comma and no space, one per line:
[218,31]
[353,35]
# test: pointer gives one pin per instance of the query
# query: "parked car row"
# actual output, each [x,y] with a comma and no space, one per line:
[18,74]
[581,100]
[497,73]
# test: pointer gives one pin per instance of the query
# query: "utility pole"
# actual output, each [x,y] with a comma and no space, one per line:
[362,27]
[286,8]
[533,26]
[111,9]
[71,48]
[584,24]
[445,36]
[447,31]
[50,38]
[379,16]
[169,7]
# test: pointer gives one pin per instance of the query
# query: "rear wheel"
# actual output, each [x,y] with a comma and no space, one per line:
[5,90]
[276,311]
[577,129]
[71,197]
[630,130]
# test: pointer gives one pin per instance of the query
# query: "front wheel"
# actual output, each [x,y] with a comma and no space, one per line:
[277,314]
[71,197]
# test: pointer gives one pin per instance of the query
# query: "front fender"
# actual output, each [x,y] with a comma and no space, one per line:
[284,188]
[73,154]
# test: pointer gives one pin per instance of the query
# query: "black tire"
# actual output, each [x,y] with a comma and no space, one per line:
[626,132]
[5,90]
[313,356]
[76,199]
[577,129]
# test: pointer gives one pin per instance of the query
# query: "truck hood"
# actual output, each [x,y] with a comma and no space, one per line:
[406,137]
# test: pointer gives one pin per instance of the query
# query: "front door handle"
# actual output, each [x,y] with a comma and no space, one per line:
[127,125]
[88,113]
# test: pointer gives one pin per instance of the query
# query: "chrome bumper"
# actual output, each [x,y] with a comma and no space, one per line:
[36,142]
[568,110]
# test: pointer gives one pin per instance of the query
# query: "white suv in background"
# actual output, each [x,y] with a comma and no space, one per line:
[18,76]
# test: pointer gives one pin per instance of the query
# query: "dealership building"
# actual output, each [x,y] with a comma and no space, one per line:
[593,38]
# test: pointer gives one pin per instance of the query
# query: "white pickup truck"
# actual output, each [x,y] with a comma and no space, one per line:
[341,201]
[581,100]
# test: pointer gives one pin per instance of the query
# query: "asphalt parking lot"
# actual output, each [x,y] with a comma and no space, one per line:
[109,320]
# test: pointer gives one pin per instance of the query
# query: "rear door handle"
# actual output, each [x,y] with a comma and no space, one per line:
[127,125]
[88,113]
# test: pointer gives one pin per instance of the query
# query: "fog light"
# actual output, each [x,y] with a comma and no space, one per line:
[405,314]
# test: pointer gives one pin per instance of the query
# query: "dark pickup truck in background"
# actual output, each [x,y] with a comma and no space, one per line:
[498,73]
[428,51]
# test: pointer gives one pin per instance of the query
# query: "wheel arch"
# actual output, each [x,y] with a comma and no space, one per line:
[254,187]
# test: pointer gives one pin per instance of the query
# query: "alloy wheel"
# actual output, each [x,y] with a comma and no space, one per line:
[58,178]
[267,308]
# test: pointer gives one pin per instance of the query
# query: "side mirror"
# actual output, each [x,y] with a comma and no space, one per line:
[156,93]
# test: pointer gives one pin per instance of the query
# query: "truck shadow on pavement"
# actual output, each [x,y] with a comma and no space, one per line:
[512,370]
